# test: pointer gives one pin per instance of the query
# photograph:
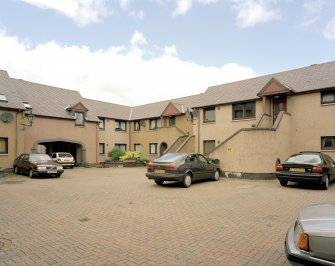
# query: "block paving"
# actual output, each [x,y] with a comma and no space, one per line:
[115,216]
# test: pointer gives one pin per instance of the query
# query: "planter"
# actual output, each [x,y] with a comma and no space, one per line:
[129,163]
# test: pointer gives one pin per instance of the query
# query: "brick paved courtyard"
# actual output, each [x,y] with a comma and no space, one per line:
[115,216]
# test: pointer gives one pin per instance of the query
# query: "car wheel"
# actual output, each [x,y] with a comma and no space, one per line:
[283,183]
[325,184]
[16,170]
[216,175]
[187,180]
[159,182]
[31,173]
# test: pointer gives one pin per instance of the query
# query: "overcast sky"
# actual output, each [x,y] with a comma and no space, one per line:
[134,52]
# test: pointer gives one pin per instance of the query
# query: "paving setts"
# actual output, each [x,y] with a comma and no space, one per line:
[115,216]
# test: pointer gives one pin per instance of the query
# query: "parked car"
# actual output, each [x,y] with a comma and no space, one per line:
[37,165]
[182,167]
[63,158]
[307,167]
[311,239]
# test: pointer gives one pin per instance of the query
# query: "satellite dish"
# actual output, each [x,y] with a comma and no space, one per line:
[7,117]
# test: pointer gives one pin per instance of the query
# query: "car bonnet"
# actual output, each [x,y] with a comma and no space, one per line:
[318,220]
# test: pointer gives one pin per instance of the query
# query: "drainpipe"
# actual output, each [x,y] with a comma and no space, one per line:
[199,131]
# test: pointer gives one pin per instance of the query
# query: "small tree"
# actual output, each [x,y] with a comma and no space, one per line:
[115,154]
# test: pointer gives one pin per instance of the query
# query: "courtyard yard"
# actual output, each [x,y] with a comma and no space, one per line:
[115,216]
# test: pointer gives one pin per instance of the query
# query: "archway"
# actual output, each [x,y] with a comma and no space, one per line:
[162,148]
[77,149]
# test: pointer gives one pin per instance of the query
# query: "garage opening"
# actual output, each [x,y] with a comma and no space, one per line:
[76,149]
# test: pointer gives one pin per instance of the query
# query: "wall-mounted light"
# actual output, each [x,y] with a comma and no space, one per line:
[30,117]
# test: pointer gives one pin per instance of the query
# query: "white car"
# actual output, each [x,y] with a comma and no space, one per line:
[311,239]
[63,158]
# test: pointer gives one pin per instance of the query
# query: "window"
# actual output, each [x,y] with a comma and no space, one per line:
[137,148]
[122,147]
[101,123]
[328,143]
[27,105]
[3,98]
[80,118]
[153,148]
[209,145]
[155,123]
[120,125]
[209,114]
[137,125]
[328,97]
[244,111]
[101,148]
[3,145]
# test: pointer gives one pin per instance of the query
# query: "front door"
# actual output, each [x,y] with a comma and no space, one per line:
[279,104]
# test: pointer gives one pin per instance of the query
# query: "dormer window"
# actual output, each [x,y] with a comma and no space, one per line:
[3,98]
[80,118]
[27,105]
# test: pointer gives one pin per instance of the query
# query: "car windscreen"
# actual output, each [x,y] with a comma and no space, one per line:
[39,157]
[64,155]
[305,158]
[170,157]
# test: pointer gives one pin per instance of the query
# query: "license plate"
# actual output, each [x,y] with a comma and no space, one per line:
[297,169]
[159,171]
[52,172]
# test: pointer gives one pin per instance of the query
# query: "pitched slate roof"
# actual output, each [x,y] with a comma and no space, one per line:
[156,109]
[107,110]
[49,101]
[8,89]
[314,77]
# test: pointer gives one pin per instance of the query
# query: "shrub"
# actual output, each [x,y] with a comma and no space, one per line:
[130,155]
[115,154]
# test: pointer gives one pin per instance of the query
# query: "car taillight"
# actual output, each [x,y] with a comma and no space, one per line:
[303,242]
[150,166]
[317,169]
[280,168]
[170,167]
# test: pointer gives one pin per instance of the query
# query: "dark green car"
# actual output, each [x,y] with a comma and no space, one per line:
[183,167]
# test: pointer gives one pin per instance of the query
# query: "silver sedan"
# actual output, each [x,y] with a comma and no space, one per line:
[311,239]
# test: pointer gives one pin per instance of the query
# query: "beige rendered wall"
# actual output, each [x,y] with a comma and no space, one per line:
[255,150]
[310,121]
[14,132]
[161,135]
[46,128]
[109,136]
[223,127]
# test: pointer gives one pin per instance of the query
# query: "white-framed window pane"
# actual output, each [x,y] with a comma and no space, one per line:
[137,125]
[79,118]
[3,98]
[101,123]
[209,114]
[122,147]
[158,122]
[101,148]
[153,148]
[137,148]
[152,124]
[328,97]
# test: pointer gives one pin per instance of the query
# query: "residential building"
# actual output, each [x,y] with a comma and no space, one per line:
[249,125]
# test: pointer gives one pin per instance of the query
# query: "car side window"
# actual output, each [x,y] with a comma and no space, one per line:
[202,159]
[192,159]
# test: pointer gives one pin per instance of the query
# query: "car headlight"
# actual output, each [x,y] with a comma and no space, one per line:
[59,167]
[41,168]
[300,237]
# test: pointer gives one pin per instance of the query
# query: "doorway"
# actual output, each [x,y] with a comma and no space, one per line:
[163,148]
[279,104]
